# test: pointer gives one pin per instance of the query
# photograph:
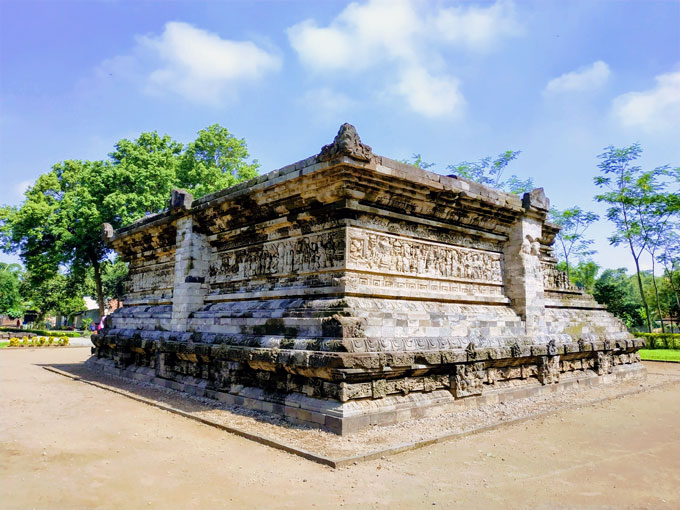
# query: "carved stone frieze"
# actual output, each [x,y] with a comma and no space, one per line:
[570,365]
[426,286]
[397,227]
[309,253]
[150,278]
[386,253]
[554,279]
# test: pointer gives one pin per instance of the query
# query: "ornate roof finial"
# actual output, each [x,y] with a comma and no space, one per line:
[346,143]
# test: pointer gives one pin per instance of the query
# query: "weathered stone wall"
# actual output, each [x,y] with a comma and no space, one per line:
[349,289]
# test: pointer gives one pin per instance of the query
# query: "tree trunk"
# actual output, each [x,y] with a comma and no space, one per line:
[642,292]
[669,275]
[656,293]
[98,284]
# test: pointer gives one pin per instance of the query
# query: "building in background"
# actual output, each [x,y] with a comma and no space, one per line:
[92,312]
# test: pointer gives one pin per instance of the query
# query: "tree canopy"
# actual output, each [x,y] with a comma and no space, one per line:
[489,171]
[56,230]
[639,204]
[573,223]
[11,302]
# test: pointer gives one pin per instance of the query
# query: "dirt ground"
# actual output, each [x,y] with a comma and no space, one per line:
[65,444]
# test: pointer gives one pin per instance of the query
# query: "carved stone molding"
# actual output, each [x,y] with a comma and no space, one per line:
[604,363]
[345,327]
[549,369]
[469,380]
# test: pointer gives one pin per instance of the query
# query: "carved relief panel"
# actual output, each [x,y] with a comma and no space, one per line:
[384,253]
[151,279]
[304,254]
[554,279]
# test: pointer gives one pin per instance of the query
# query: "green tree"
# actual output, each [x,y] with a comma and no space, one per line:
[489,171]
[615,290]
[59,294]
[114,274]
[418,162]
[573,223]
[113,279]
[58,225]
[11,301]
[629,205]
[138,178]
[583,275]
[214,161]
[669,257]
[657,207]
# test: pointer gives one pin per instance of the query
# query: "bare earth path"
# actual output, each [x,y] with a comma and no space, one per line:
[65,444]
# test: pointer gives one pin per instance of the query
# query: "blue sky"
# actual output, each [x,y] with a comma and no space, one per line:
[453,81]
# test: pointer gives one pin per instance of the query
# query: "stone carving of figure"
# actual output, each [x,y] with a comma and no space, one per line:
[526,246]
[406,258]
[322,255]
[355,249]
[281,258]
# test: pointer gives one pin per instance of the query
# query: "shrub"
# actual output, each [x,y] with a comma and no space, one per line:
[44,332]
[661,340]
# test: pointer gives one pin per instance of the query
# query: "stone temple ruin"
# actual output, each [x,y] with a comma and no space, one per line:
[349,290]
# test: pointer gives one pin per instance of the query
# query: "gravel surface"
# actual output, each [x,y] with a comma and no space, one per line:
[375,439]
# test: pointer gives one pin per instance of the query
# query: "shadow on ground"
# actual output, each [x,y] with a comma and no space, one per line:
[178,400]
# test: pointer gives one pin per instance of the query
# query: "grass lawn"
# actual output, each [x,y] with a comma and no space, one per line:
[3,344]
[660,354]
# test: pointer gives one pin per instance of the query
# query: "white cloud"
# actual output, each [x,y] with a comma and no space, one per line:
[359,37]
[406,37]
[653,110]
[327,100]
[195,64]
[21,188]
[477,28]
[431,96]
[585,79]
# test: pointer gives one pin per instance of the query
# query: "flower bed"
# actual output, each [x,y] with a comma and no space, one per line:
[38,341]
